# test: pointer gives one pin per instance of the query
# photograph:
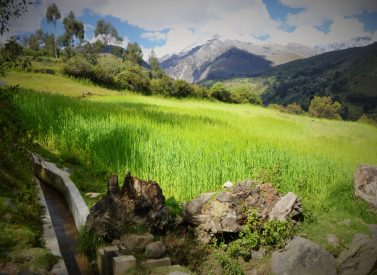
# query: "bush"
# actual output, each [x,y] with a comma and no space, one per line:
[294,108]
[276,107]
[106,69]
[220,92]
[181,89]
[78,66]
[323,107]
[133,79]
[243,93]
[87,244]
[162,86]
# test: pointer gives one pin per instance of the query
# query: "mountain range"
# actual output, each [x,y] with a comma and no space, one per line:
[217,59]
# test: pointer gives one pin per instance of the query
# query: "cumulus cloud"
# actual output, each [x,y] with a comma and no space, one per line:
[194,22]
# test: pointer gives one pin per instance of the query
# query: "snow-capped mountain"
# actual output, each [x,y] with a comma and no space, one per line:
[218,59]
[354,42]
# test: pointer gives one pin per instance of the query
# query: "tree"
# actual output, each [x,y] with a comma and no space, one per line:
[9,9]
[72,29]
[220,92]
[133,53]
[106,32]
[155,66]
[323,107]
[53,15]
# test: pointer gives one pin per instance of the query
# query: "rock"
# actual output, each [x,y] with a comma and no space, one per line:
[258,255]
[373,231]
[92,195]
[365,183]
[3,83]
[346,222]
[333,240]
[109,253]
[284,207]
[302,256]
[227,211]
[153,263]
[136,243]
[137,204]
[155,250]
[170,270]
[228,185]
[116,242]
[122,263]
[360,258]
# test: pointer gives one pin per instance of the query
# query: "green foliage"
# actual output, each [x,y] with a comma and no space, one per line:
[53,14]
[258,233]
[294,108]
[133,54]
[174,206]
[133,79]
[78,66]
[323,107]
[106,32]
[220,92]
[87,244]
[156,71]
[106,69]
[230,266]
[181,89]
[11,55]
[162,86]
[73,30]
[11,9]
[242,93]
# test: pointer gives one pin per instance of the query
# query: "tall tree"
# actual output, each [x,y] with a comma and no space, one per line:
[133,53]
[106,32]
[9,9]
[155,65]
[73,29]
[53,15]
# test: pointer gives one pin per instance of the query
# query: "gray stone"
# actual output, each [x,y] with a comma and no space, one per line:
[116,242]
[109,253]
[302,256]
[100,259]
[365,183]
[136,243]
[195,206]
[228,185]
[283,207]
[152,263]
[373,230]
[155,250]
[360,258]
[123,263]
[3,83]
[258,255]
[170,270]
[333,240]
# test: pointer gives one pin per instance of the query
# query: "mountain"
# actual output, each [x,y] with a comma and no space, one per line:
[217,59]
[352,43]
[348,76]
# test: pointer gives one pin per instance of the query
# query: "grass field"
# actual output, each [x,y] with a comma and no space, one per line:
[190,146]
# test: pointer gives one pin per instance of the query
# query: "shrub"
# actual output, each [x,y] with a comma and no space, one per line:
[106,69]
[133,79]
[220,92]
[277,107]
[323,107]
[181,89]
[78,66]
[87,244]
[294,108]
[162,86]
[243,93]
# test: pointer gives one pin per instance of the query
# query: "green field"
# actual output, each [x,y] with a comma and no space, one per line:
[191,146]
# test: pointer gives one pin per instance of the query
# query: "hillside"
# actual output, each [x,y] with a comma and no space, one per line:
[217,59]
[349,76]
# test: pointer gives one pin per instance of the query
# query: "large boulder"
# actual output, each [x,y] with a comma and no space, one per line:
[365,182]
[302,256]
[137,204]
[360,258]
[217,213]
[287,206]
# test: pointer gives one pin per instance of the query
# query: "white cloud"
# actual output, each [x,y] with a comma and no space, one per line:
[154,36]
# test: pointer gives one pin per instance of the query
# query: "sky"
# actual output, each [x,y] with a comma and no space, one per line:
[169,26]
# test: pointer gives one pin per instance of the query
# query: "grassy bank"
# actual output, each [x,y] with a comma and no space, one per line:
[21,245]
[191,146]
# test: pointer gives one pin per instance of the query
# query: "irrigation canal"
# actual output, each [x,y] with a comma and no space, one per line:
[65,230]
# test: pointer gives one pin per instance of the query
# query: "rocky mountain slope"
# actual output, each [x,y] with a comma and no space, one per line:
[217,59]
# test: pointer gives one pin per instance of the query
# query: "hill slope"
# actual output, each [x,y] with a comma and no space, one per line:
[349,76]
[219,59]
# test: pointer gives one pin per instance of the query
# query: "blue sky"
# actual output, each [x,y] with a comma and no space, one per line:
[172,25]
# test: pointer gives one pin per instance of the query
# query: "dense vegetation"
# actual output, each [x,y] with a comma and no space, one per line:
[20,240]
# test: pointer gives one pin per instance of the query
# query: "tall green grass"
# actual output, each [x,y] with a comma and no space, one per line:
[190,146]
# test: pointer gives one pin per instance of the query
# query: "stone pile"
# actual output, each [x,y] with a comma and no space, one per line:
[217,213]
